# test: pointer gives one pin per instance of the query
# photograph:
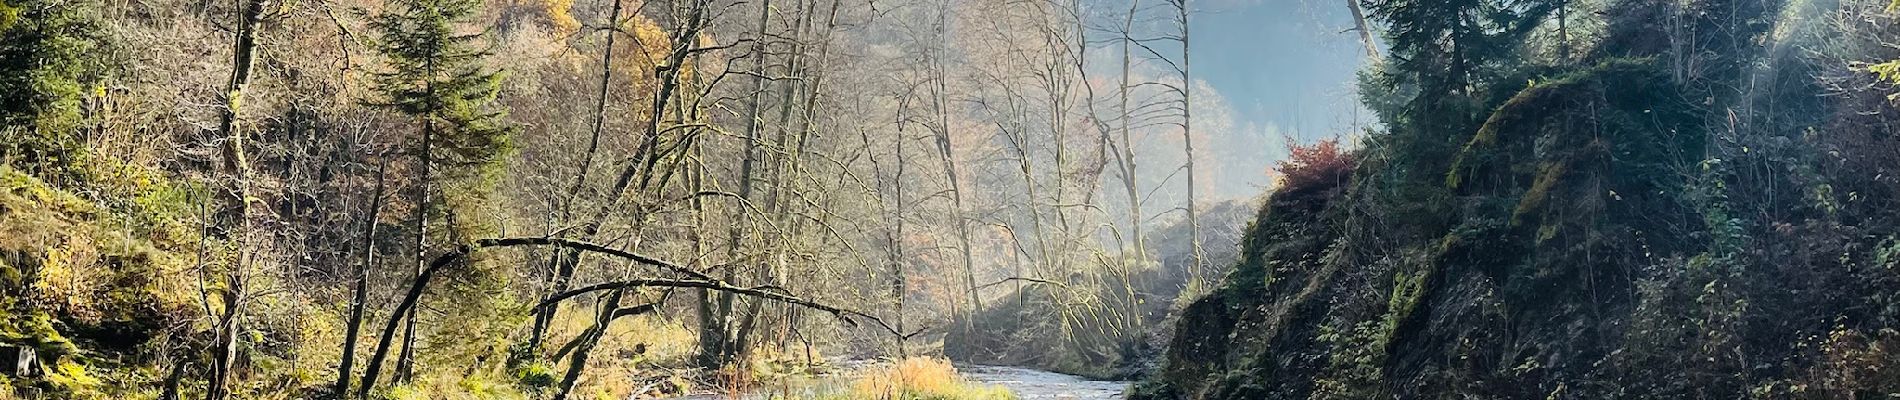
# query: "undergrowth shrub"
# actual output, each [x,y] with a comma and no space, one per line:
[1317,163]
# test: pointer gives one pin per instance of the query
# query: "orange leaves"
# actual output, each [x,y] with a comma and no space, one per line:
[1319,163]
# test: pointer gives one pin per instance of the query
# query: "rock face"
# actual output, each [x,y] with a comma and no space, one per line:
[1613,229]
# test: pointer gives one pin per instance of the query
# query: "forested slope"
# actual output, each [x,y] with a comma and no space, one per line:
[556,199]
[1636,199]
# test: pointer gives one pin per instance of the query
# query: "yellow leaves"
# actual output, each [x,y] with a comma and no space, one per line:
[8,14]
[67,279]
[560,16]
[640,51]
[1888,71]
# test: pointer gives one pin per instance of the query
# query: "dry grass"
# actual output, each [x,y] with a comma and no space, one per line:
[920,378]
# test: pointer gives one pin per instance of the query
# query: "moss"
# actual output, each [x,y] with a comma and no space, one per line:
[1548,175]
[88,282]
[1522,114]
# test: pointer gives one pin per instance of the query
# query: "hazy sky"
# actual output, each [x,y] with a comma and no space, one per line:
[1288,64]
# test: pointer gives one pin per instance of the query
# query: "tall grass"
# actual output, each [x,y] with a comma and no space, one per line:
[919,378]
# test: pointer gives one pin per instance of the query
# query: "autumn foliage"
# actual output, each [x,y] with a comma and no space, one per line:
[1319,163]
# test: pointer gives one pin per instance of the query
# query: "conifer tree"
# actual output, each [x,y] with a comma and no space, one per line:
[436,75]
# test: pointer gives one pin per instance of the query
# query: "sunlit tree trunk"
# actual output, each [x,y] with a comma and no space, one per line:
[1187,142]
[1131,184]
[244,55]
[946,151]
[359,300]
[1365,32]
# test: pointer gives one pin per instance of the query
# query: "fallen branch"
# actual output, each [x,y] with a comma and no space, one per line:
[698,280]
[763,292]
[617,314]
[374,369]
[1018,278]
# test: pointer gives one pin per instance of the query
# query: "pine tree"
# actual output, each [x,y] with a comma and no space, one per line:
[437,76]
[1445,58]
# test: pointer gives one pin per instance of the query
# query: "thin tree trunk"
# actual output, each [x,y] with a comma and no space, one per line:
[946,150]
[406,312]
[1130,184]
[244,55]
[568,263]
[737,232]
[405,361]
[1563,31]
[359,301]
[1187,140]
[1020,141]
[227,340]
[894,239]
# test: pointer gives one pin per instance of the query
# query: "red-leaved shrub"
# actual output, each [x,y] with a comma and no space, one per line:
[1320,163]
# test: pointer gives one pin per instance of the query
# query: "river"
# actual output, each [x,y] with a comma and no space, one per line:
[1026,384]
[1029,384]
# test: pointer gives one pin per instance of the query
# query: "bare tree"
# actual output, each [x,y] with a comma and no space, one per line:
[244,54]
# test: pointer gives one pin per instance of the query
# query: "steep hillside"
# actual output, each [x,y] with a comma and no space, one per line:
[1708,219]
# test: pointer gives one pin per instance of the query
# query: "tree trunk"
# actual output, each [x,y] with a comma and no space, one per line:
[894,241]
[737,232]
[1187,140]
[1365,32]
[588,339]
[1130,184]
[360,299]
[947,152]
[566,265]
[405,362]
[244,55]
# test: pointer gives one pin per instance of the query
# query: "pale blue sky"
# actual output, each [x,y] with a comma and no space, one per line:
[1284,63]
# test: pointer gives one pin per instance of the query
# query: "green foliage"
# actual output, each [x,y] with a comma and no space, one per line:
[87,283]
[535,375]
[1888,71]
[1356,361]
[50,59]
[1601,230]
[437,75]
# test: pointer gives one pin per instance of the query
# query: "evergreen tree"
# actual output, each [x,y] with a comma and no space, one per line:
[1448,60]
[48,57]
[437,75]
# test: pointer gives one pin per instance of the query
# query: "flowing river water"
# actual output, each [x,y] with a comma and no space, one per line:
[1025,383]
[1029,384]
